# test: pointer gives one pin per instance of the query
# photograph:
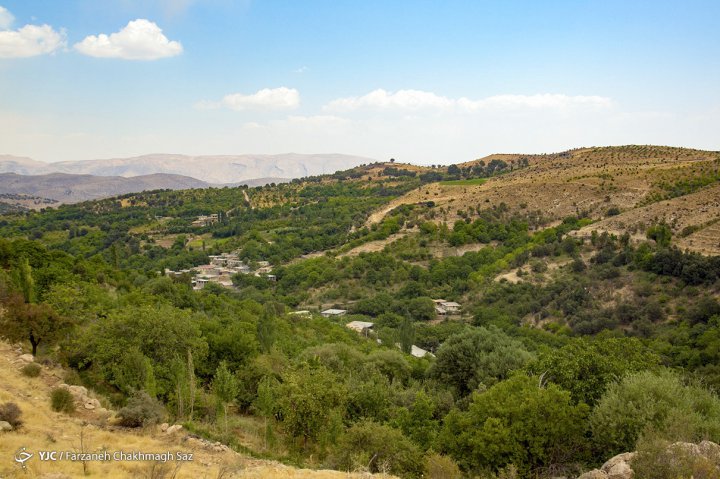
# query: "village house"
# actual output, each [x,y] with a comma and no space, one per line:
[328,313]
[362,327]
[203,220]
[443,307]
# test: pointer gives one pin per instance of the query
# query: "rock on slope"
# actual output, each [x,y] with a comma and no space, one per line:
[620,466]
[45,430]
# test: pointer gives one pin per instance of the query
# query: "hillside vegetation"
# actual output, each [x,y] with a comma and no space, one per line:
[517,324]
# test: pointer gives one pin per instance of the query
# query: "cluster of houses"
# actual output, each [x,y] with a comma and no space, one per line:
[221,269]
[204,220]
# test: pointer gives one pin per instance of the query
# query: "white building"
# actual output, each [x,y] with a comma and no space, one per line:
[334,312]
[362,327]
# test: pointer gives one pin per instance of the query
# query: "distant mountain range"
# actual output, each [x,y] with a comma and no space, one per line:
[222,169]
[65,188]
[74,181]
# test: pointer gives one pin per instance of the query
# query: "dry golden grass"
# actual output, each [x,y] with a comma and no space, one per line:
[588,180]
[45,430]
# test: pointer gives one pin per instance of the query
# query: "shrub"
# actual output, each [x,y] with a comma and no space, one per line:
[61,400]
[10,413]
[32,370]
[377,448]
[658,403]
[659,459]
[441,467]
[141,410]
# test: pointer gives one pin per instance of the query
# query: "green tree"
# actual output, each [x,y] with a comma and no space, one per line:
[309,401]
[661,234]
[36,323]
[657,402]
[585,367]
[516,422]
[225,389]
[479,356]
[406,335]
[115,346]
[266,331]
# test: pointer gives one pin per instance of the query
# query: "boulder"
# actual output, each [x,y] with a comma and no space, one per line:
[164,427]
[5,426]
[594,474]
[174,428]
[27,358]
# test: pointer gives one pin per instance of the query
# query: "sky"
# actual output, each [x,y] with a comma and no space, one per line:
[428,82]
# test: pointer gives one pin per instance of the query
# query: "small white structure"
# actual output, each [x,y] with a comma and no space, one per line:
[302,312]
[419,352]
[451,306]
[334,312]
[362,327]
[446,307]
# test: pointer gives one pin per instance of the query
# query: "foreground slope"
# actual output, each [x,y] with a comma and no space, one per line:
[45,430]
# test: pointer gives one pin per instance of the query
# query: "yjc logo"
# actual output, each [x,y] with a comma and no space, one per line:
[22,456]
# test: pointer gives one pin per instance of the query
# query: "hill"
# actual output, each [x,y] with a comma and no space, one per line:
[594,182]
[67,188]
[220,169]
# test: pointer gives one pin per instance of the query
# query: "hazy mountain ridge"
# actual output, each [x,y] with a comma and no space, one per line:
[68,188]
[217,169]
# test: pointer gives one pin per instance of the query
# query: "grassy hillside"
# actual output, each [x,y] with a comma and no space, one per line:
[595,183]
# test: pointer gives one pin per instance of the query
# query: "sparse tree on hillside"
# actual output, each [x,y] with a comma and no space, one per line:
[37,323]
[225,388]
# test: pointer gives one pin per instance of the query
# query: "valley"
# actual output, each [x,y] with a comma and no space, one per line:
[485,319]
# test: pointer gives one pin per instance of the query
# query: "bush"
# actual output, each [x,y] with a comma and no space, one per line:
[441,467]
[32,370]
[61,400]
[141,410]
[10,413]
[659,459]
[377,448]
[657,403]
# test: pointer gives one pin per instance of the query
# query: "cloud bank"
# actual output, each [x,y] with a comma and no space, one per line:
[141,39]
[414,100]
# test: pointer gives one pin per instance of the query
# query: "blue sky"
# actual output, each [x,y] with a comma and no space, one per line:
[420,81]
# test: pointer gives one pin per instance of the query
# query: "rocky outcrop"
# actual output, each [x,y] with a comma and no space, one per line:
[620,466]
[83,400]
[617,467]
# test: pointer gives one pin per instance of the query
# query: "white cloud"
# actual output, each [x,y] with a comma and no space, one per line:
[141,39]
[28,41]
[6,18]
[382,99]
[418,99]
[268,98]
[546,100]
